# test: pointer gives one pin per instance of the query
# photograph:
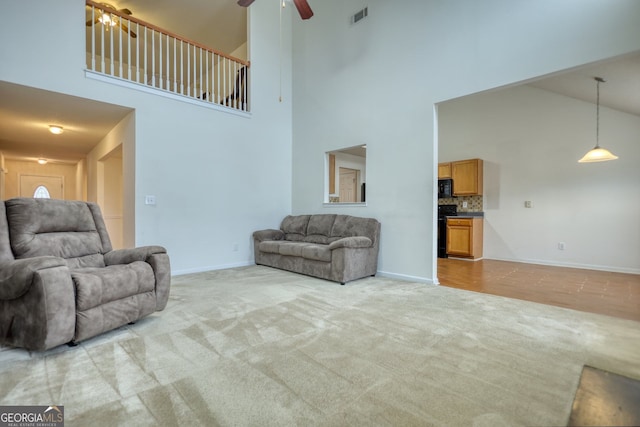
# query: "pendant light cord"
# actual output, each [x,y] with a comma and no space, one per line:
[597,113]
[598,81]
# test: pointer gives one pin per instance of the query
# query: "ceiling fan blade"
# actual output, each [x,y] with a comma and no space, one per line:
[90,22]
[126,11]
[245,3]
[303,9]
[126,30]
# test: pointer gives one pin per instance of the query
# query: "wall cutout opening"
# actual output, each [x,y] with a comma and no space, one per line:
[346,175]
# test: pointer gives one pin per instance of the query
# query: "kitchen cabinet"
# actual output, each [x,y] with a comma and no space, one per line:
[467,177]
[444,170]
[464,237]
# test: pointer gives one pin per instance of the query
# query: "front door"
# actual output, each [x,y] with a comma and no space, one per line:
[41,185]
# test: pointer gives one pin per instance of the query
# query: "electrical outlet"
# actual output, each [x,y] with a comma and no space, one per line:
[465,204]
[149,200]
[561,246]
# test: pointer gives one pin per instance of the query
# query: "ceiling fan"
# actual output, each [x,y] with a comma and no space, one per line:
[105,17]
[303,7]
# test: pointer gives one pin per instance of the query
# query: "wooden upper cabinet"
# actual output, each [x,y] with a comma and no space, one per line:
[444,170]
[467,177]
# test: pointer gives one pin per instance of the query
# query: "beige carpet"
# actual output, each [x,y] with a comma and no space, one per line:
[257,346]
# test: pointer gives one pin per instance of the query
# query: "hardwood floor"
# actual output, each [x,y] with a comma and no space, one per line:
[613,294]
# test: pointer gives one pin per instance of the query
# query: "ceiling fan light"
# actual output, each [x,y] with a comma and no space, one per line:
[55,129]
[106,19]
[598,154]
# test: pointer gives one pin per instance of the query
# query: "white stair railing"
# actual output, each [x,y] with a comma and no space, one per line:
[130,49]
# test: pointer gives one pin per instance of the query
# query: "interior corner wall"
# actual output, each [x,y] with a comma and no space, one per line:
[530,140]
[376,83]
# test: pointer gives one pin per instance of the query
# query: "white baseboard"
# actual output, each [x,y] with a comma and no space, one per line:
[407,277]
[210,268]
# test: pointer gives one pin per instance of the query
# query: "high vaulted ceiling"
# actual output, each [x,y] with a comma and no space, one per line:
[25,112]
[220,24]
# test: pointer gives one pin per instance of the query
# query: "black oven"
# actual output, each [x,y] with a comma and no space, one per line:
[443,212]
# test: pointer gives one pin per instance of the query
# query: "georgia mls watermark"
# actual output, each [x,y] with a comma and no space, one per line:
[31,416]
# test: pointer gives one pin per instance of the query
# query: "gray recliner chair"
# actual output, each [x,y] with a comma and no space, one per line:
[60,280]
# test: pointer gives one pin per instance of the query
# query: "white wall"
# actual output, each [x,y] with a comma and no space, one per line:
[346,93]
[217,177]
[530,140]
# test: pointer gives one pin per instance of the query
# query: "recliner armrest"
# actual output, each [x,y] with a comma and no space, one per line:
[129,255]
[351,242]
[16,275]
[269,234]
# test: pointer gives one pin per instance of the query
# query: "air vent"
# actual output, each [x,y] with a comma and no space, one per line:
[359,16]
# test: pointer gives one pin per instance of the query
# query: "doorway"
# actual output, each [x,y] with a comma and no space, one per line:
[110,194]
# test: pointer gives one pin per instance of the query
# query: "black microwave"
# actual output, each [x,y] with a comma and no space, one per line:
[445,188]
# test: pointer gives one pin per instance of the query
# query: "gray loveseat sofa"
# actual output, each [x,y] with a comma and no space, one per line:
[60,280]
[339,248]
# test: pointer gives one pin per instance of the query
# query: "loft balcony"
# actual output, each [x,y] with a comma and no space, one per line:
[125,50]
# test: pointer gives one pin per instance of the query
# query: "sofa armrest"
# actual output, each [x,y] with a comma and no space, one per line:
[129,255]
[157,258]
[351,242]
[16,275]
[270,234]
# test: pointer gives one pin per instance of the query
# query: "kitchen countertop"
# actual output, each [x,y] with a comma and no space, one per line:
[467,215]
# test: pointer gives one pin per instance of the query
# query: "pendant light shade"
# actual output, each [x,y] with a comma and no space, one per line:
[598,154]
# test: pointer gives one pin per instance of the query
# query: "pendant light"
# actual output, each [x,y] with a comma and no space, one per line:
[598,154]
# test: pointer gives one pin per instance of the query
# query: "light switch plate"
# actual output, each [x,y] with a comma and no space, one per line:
[149,200]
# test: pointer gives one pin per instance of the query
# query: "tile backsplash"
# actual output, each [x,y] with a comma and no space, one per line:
[474,203]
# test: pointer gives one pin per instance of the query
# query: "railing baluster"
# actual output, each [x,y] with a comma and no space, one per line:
[120,52]
[138,54]
[153,57]
[181,68]
[129,51]
[160,82]
[218,85]
[111,48]
[168,83]
[175,63]
[93,39]
[102,68]
[207,71]
[200,91]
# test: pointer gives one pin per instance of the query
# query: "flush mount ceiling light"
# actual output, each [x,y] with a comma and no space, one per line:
[42,161]
[598,154]
[55,129]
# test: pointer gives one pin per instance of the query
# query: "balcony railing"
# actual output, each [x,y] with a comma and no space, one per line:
[127,48]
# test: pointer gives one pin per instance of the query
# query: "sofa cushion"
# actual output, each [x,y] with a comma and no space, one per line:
[291,248]
[97,286]
[317,252]
[319,228]
[295,227]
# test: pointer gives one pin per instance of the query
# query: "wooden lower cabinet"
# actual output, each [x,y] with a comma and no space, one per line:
[464,237]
